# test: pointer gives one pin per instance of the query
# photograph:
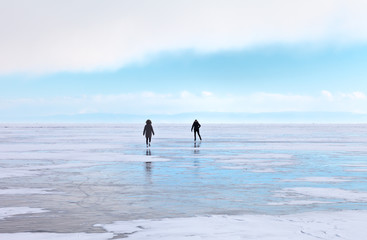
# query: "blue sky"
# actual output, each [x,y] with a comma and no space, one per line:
[135,57]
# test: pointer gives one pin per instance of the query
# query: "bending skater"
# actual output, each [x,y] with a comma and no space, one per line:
[148,131]
[196,125]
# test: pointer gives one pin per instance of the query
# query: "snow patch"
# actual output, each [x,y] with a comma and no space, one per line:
[348,225]
[331,193]
[320,179]
[56,236]
[297,202]
[21,191]
[81,156]
[12,211]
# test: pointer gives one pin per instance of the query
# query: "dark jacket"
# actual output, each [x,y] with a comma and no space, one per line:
[148,130]
[196,125]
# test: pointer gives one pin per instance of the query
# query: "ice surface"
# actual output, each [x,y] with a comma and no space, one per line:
[293,179]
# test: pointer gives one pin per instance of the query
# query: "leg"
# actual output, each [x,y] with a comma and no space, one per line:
[194,135]
[150,139]
[146,140]
[199,134]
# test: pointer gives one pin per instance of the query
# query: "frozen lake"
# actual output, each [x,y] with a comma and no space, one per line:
[60,181]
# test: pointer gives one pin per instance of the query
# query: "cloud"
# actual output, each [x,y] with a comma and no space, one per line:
[359,95]
[41,36]
[206,93]
[354,95]
[355,102]
[155,103]
[328,95]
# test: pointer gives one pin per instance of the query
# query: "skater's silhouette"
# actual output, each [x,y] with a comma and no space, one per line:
[196,125]
[148,131]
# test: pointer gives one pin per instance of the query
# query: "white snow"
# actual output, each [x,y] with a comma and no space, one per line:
[32,170]
[88,159]
[336,193]
[313,147]
[56,236]
[247,169]
[52,147]
[21,191]
[258,162]
[12,211]
[265,170]
[81,156]
[356,167]
[297,202]
[347,225]
[15,172]
[320,179]
[269,156]
[234,167]
[356,170]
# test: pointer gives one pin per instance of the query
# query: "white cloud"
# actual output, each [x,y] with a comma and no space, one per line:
[155,103]
[186,94]
[206,93]
[328,95]
[359,95]
[62,35]
[354,95]
[345,102]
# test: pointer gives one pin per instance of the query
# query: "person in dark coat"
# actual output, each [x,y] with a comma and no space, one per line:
[196,125]
[148,131]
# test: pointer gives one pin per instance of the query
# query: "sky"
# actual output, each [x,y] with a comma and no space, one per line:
[162,57]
